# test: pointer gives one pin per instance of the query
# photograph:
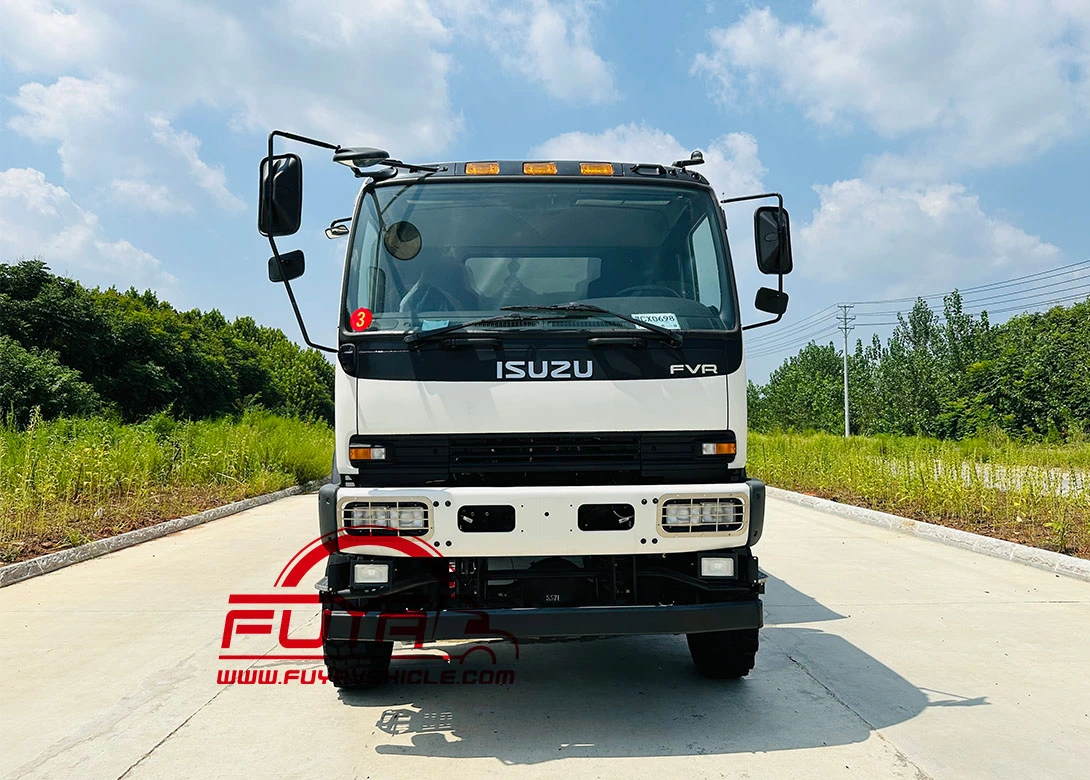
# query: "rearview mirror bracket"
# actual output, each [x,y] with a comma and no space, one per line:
[283,266]
[775,299]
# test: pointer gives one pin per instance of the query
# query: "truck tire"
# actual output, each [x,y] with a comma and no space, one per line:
[356,665]
[723,655]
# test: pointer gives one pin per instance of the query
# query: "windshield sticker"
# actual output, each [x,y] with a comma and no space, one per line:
[361,319]
[663,320]
[433,324]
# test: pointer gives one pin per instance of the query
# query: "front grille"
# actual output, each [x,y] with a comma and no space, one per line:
[537,452]
[503,459]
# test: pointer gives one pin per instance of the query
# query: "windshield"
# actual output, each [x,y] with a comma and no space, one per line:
[435,254]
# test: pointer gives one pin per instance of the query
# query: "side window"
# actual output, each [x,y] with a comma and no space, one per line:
[363,262]
[705,265]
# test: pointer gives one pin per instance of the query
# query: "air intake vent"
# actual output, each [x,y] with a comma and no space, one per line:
[540,452]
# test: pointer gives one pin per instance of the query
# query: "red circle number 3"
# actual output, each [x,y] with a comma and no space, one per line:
[361,319]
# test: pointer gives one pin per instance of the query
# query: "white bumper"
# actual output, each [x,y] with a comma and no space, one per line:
[546,519]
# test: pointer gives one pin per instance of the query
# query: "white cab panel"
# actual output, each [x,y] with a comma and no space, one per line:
[390,407]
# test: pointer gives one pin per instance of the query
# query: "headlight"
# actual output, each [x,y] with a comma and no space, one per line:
[408,518]
[702,515]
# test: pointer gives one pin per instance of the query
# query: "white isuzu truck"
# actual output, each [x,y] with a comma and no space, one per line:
[540,405]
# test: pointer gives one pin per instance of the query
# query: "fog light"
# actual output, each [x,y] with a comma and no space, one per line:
[716,567]
[371,573]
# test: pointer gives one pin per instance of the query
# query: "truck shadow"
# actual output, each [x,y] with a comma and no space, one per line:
[639,696]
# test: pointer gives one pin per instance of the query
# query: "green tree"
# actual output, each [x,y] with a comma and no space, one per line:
[33,379]
[140,355]
[804,394]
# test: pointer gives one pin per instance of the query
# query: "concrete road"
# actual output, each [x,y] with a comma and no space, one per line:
[884,656]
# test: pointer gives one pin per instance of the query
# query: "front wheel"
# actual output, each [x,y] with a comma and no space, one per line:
[724,655]
[357,664]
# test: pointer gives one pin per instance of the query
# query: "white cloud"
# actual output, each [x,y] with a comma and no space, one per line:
[350,72]
[550,44]
[187,147]
[893,237]
[973,82]
[140,195]
[731,164]
[77,114]
[881,239]
[39,218]
[37,36]
[371,73]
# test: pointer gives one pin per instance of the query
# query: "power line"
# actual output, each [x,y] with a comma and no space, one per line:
[792,335]
[977,288]
[806,322]
[1021,301]
[817,325]
[1054,301]
[1012,295]
[789,347]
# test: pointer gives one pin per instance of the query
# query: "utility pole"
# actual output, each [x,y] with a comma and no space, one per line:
[846,321]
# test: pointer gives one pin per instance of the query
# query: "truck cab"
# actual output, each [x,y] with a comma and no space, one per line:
[540,407]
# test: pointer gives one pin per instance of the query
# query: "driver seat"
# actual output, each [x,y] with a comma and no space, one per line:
[443,285]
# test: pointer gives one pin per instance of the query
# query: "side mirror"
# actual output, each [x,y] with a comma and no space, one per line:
[336,231]
[360,157]
[280,200]
[291,266]
[773,240]
[772,301]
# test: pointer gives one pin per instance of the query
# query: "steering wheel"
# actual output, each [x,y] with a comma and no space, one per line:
[640,289]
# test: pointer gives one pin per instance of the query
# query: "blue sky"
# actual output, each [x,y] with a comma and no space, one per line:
[921,145]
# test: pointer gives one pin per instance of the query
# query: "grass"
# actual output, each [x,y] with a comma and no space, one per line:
[1032,494]
[70,481]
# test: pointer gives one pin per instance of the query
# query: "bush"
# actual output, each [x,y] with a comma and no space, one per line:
[139,355]
[30,380]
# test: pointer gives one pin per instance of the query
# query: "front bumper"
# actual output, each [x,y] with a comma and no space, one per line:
[529,623]
[546,518]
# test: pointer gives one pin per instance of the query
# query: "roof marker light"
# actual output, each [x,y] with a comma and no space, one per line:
[538,168]
[596,169]
[482,168]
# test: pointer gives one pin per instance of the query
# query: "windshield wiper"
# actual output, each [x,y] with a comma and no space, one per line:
[514,319]
[672,337]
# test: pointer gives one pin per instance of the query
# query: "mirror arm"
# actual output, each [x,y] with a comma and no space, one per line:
[780,225]
[777,318]
[300,139]
[294,305]
[272,243]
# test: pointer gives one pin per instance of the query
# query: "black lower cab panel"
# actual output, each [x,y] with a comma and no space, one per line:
[435,584]
[370,603]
